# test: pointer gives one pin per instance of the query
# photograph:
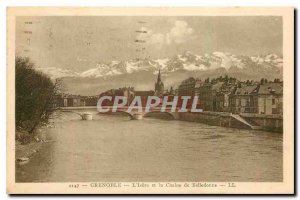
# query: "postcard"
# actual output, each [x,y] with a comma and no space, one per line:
[140,100]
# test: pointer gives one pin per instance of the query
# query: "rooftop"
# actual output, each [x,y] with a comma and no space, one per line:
[271,88]
[246,89]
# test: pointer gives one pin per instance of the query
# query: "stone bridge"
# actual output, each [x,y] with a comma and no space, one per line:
[134,114]
[83,115]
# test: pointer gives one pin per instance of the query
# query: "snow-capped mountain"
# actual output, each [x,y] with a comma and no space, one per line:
[271,59]
[185,62]
[142,74]
[121,67]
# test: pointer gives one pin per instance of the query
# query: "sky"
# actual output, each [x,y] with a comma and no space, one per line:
[79,43]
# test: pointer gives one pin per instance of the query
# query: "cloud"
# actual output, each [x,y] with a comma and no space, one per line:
[179,33]
[157,38]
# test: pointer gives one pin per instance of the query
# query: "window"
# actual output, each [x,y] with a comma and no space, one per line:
[273,101]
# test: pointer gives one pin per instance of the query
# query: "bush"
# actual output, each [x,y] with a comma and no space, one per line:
[34,96]
[23,137]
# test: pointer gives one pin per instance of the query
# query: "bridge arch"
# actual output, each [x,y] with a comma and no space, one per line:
[170,114]
[70,111]
[124,112]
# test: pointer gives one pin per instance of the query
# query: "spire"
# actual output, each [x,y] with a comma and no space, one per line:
[159,85]
[158,77]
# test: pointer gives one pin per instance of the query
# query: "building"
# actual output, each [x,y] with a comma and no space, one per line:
[75,101]
[270,98]
[170,92]
[187,87]
[205,94]
[91,100]
[244,100]
[211,97]
[264,98]
[223,97]
[144,95]
[67,100]
[198,83]
[125,91]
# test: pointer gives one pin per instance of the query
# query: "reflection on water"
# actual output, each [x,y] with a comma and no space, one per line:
[115,148]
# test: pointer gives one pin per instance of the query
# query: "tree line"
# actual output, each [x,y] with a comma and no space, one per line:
[35,93]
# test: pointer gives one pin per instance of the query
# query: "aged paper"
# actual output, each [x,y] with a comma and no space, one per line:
[143,100]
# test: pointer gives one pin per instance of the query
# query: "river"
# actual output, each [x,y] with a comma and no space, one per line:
[115,148]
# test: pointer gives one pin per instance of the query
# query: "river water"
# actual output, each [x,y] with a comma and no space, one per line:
[115,148]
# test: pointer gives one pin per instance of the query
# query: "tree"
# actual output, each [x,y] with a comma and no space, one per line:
[226,79]
[276,80]
[35,93]
[239,85]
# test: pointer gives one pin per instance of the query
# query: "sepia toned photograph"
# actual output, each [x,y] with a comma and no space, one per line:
[160,100]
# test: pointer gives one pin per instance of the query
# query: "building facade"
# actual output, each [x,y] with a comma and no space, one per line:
[270,98]
[243,100]
[263,98]
[187,87]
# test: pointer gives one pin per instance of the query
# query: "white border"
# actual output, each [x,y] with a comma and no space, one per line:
[4,4]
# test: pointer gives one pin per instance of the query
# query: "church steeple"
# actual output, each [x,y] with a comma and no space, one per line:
[158,77]
[159,85]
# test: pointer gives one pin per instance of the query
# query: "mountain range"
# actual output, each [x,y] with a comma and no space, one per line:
[141,73]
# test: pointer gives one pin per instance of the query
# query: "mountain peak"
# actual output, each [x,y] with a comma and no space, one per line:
[187,61]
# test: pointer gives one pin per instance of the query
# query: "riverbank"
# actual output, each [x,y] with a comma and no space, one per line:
[270,123]
[25,151]
[252,121]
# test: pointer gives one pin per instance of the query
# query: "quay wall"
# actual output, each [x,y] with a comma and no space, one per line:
[268,123]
